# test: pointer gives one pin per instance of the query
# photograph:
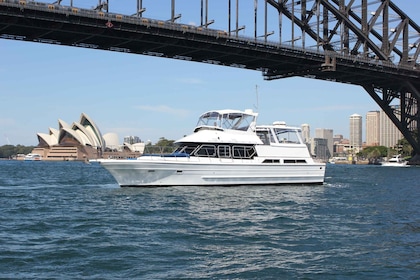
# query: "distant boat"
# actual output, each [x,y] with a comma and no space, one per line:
[396,161]
[32,157]
[337,160]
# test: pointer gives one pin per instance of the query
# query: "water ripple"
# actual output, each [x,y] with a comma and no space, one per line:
[71,220]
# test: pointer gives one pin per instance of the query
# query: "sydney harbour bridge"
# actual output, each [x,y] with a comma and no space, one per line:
[369,43]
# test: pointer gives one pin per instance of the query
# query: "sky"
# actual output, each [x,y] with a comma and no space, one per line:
[154,97]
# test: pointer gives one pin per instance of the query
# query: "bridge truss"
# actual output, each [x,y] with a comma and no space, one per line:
[370,43]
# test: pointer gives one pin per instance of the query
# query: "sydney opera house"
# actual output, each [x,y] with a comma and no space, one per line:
[83,140]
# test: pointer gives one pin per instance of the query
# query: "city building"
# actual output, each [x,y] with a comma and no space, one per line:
[389,133]
[355,132]
[306,132]
[372,128]
[132,139]
[337,138]
[338,147]
[328,135]
[319,149]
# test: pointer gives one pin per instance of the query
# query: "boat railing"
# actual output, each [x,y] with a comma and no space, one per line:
[158,150]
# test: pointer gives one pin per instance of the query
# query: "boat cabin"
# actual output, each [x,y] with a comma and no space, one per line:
[279,133]
[234,134]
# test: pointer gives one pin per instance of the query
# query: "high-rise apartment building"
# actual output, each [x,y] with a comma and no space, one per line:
[372,128]
[389,133]
[328,135]
[306,132]
[356,131]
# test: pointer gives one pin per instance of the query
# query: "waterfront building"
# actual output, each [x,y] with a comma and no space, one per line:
[337,138]
[328,135]
[132,139]
[306,132]
[337,147]
[372,128]
[389,133]
[319,149]
[356,132]
[82,140]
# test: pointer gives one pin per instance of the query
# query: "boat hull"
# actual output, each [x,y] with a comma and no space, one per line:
[32,157]
[190,172]
[395,164]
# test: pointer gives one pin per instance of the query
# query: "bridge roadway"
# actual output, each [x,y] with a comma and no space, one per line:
[71,26]
[61,25]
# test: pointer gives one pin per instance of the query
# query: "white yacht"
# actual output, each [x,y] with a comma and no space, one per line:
[32,157]
[227,148]
[396,161]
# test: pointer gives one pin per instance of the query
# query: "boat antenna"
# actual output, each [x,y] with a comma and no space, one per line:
[7,139]
[256,95]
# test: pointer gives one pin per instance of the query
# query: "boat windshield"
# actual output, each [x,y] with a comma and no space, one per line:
[270,134]
[284,135]
[230,120]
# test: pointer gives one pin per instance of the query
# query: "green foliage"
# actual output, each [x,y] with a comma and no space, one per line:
[373,153]
[163,142]
[163,146]
[405,149]
[7,151]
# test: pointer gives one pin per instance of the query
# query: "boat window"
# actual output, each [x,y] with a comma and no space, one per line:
[294,161]
[188,149]
[243,152]
[237,121]
[206,151]
[224,151]
[287,135]
[272,139]
[209,119]
[232,120]
[271,161]
[264,137]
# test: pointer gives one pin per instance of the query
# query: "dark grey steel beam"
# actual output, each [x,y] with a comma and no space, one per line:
[355,29]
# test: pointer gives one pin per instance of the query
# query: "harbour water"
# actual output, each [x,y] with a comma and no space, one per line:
[70,220]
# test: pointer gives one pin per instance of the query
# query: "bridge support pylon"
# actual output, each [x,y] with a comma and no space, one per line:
[405,114]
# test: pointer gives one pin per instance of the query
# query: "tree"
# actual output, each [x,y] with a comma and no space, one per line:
[404,148]
[373,153]
[163,142]
[7,151]
[163,146]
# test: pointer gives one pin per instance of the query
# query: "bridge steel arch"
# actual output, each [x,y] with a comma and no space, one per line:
[369,43]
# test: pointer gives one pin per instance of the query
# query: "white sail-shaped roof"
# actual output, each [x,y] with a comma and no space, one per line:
[66,133]
[54,133]
[136,147]
[46,140]
[111,140]
[90,126]
[91,138]
[95,141]
[84,132]
[62,124]
[84,137]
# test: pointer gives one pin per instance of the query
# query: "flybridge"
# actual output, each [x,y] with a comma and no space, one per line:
[235,120]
